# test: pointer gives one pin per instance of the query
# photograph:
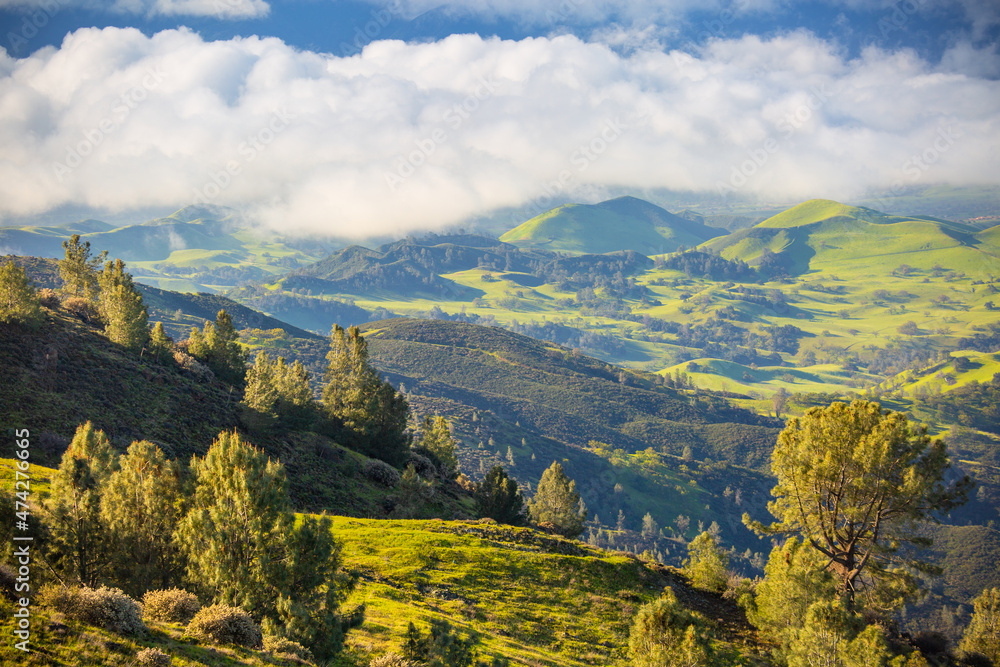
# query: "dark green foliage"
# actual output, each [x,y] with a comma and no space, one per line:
[277,393]
[19,302]
[557,502]
[79,546]
[239,515]
[218,346]
[499,497]
[141,505]
[440,647]
[244,548]
[356,396]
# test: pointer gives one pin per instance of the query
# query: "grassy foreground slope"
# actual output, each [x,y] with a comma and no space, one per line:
[534,598]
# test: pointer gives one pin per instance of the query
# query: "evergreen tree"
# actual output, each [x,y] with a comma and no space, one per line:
[244,548]
[557,502]
[665,634]
[78,269]
[499,497]
[225,355]
[276,391]
[78,548]
[18,298]
[357,397]
[707,565]
[141,506]
[240,514]
[159,343]
[620,522]
[856,483]
[983,634]
[440,443]
[126,320]
[794,578]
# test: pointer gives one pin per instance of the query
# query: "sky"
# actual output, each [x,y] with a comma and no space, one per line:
[370,117]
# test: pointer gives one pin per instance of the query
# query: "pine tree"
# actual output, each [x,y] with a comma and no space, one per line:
[126,320]
[79,548]
[245,549]
[141,506]
[620,522]
[79,270]
[18,298]
[225,355]
[707,565]
[440,443]
[239,516]
[159,343]
[665,634]
[276,391]
[557,502]
[983,634]
[357,397]
[499,498]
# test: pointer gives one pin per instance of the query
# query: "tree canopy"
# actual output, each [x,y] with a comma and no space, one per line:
[499,497]
[18,299]
[556,502]
[855,481]
[356,396]
[78,268]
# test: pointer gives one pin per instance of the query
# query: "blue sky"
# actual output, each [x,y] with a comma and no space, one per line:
[368,117]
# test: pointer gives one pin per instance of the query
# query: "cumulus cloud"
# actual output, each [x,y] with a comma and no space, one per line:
[415,136]
[223,9]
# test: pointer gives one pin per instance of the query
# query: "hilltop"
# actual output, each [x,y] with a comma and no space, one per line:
[826,235]
[625,223]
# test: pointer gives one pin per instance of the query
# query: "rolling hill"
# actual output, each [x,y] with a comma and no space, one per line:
[825,235]
[625,223]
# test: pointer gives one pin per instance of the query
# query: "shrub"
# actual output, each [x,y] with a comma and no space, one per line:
[152,657]
[381,472]
[82,308]
[104,607]
[282,646]
[221,624]
[172,605]
[193,366]
[49,298]
[423,465]
[391,660]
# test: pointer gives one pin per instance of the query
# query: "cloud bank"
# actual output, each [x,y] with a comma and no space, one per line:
[415,136]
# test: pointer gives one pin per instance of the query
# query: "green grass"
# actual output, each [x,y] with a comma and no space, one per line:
[625,223]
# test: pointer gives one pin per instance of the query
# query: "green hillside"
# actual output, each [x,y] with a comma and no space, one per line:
[625,223]
[533,598]
[825,235]
[200,249]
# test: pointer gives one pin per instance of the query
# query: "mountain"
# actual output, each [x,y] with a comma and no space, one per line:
[196,249]
[625,223]
[826,235]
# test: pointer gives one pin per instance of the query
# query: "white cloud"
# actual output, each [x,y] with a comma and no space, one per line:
[223,9]
[409,136]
